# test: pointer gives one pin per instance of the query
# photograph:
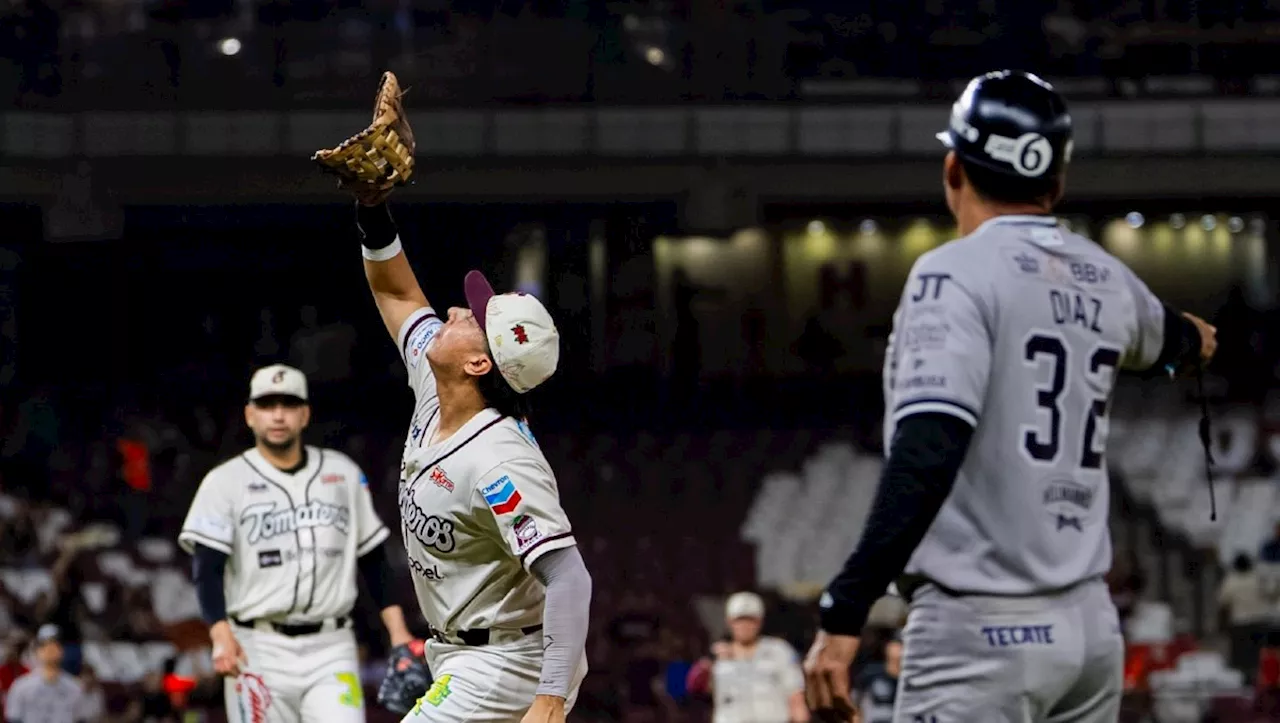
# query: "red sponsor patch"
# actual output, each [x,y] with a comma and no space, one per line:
[440,479]
[332,478]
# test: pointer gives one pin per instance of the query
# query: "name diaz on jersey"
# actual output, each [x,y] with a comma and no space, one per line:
[265,521]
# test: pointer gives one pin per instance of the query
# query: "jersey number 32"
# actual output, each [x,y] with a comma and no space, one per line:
[1045,445]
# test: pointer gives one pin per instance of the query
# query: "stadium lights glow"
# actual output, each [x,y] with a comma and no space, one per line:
[1235,224]
[1177,221]
[1208,223]
[229,46]
[655,56]
[816,227]
[1134,219]
[868,226]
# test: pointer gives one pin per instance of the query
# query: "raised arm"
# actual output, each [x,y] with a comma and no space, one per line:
[395,287]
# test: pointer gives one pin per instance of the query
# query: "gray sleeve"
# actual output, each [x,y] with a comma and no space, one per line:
[939,358]
[15,702]
[1148,332]
[564,619]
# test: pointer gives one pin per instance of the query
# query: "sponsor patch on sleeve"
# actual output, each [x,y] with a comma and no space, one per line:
[419,339]
[502,496]
[527,532]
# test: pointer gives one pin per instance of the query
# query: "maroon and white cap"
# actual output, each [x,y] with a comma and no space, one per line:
[278,380]
[522,337]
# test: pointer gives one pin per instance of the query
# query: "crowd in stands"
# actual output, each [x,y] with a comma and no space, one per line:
[93,483]
[269,53]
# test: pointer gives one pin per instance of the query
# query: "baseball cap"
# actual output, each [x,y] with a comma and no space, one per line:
[744,605]
[522,337]
[48,633]
[278,380]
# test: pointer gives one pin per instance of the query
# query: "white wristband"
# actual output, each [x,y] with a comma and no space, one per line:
[383,254]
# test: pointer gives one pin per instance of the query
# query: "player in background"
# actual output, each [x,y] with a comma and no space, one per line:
[493,560]
[876,684]
[47,693]
[277,534]
[994,496]
[752,678]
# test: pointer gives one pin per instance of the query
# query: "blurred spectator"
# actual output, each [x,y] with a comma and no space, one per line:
[11,667]
[94,709]
[876,685]
[1270,551]
[637,624]
[154,705]
[47,694]
[1126,583]
[1248,613]
[753,678]
[18,542]
[322,351]
[63,606]
[266,350]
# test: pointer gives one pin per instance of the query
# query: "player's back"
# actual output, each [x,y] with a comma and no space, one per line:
[1020,328]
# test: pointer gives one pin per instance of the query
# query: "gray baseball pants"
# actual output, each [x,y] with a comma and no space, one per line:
[1046,659]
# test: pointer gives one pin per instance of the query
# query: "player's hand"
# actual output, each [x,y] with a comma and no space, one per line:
[826,677]
[228,657]
[407,677]
[1208,337]
[722,650]
[545,709]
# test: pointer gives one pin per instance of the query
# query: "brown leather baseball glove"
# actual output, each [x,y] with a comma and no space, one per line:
[379,158]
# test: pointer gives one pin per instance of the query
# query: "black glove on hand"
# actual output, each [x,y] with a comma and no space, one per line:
[407,678]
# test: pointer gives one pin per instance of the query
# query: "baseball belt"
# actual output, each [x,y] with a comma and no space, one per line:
[483,636]
[294,630]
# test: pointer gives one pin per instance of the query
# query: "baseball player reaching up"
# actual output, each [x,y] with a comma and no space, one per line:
[494,563]
[277,535]
[994,496]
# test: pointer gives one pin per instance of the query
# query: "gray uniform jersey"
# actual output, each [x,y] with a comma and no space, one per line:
[1019,330]
[33,699]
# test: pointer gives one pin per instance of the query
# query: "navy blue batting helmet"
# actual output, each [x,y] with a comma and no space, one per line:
[1013,123]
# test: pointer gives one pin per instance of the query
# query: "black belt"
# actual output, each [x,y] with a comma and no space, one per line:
[477,637]
[909,585]
[294,630]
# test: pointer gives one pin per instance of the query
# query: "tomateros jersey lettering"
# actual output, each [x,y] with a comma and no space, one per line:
[1019,329]
[476,509]
[293,539]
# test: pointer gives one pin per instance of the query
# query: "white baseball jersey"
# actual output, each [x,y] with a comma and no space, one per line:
[293,538]
[477,509]
[1019,329]
[33,698]
[757,690]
